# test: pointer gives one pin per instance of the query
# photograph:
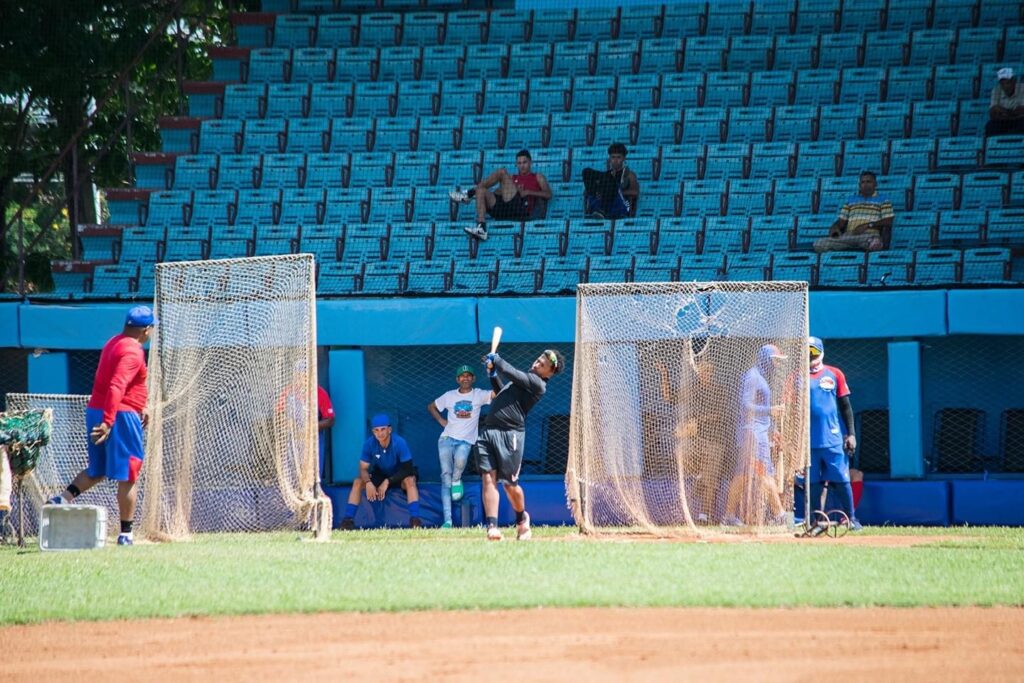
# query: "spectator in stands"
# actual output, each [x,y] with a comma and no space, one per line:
[520,197]
[864,222]
[462,406]
[611,193]
[385,462]
[1006,113]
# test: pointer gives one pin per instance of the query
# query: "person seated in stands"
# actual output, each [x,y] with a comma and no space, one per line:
[520,197]
[1006,113]
[611,193]
[864,223]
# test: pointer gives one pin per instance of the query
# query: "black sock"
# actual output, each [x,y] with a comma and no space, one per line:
[492,521]
[74,490]
[126,526]
[520,516]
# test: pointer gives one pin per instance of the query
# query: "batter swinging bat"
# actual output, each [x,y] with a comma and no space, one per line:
[495,339]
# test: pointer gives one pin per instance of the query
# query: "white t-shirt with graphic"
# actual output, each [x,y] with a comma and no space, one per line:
[463,412]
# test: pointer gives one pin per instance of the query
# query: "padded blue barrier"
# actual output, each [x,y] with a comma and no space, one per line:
[905,503]
[988,502]
[971,311]
[545,501]
[10,331]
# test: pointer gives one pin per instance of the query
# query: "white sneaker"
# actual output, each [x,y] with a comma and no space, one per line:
[478,231]
[459,196]
[732,521]
[493,533]
[523,532]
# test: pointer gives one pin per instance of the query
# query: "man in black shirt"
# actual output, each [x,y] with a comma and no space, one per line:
[499,448]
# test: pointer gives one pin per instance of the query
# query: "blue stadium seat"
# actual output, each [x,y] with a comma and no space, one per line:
[303,206]
[390,204]
[914,230]
[213,207]
[1004,150]
[518,276]
[588,238]
[701,268]
[474,277]
[399,63]
[617,57]
[973,117]
[561,274]
[810,228]
[749,53]
[548,95]
[682,20]
[795,53]
[470,27]
[771,88]
[423,29]
[616,126]
[795,124]
[270,65]
[326,170]
[678,236]
[574,59]
[889,268]
[526,131]
[660,126]
[863,16]
[773,18]
[450,242]
[772,160]
[488,61]
[347,205]
[840,122]
[818,16]
[639,91]
[418,98]
[747,267]
[294,30]
[429,277]
[912,156]
[597,23]
[378,29]
[185,244]
[1005,227]
[959,153]
[953,13]
[337,30]
[287,100]
[1017,188]
[503,242]
[661,55]
[483,132]
[703,198]
[587,157]
[644,21]
[725,18]
[770,233]
[749,197]
[370,168]
[725,234]
[359,242]
[384,277]
[978,45]
[705,125]
[886,48]
[375,99]
[356,64]
[749,124]
[841,269]
[937,266]
[859,86]
[566,200]
[220,136]
[818,159]
[593,93]
[552,25]
[139,245]
[936,192]
[572,129]
[896,187]
[793,196]
[543,238]
[352,135]
[933,119]
[886,120]
[727,160]
[330,100]
[438,133]
[840,51]
[955,82]
[325,243]
[265,137]
[1000,13]
[1013,44]
[726,89]
[661,268]
[633,236]
[443,62]
[908,83]
[795,266]
[864,155]
[459,168]
[985,190]
[170,207]
[610,269]
[113,280]
[410,241]
[986,265]
[432,203]
[961,228]
[339,278]
[195,172]
[415,169]
[681,90]
[929,47]
[258,207]
[276,239]
[705,53]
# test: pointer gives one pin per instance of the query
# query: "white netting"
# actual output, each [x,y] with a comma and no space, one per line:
[61,460]
[660,440]
[232,363]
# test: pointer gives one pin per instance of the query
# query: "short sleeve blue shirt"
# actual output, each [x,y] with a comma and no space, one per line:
[386,458]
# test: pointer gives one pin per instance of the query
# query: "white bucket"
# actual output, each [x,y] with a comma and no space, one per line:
[72,527]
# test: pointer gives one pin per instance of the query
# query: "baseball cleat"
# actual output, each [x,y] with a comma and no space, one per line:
[125,539]
[493,533]
[523,532]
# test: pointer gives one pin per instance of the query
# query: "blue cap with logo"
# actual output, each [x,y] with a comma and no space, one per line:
[140,316]
[816,345]
[380,420]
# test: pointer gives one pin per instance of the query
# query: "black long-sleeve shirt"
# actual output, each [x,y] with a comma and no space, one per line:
[515,398]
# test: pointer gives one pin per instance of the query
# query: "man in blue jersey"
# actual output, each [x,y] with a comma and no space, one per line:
[385,462]
[830,447]
[754,478]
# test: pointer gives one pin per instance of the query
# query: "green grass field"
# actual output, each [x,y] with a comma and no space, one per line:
[405,570]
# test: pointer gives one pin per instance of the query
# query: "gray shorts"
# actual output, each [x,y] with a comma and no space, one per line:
[500,451]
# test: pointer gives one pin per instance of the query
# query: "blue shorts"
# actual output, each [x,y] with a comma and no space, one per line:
[120,456]
[829,464]
[755,453]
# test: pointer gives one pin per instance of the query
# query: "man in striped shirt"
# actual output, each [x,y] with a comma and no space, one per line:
[863,223]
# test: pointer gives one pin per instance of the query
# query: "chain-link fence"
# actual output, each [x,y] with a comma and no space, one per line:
[82,371]
[13,373]
[403,380]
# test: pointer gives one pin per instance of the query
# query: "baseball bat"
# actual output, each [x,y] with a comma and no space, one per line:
[495,339]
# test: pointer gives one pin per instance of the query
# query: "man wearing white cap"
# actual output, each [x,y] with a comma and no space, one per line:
[1006,112]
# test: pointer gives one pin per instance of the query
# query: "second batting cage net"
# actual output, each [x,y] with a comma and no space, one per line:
[689,406]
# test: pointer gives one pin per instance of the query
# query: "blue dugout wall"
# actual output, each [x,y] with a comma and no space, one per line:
[911,352]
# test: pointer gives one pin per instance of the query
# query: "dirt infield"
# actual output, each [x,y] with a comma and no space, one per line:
[532,645]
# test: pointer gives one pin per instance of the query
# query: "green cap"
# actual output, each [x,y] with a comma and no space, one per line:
[463,369]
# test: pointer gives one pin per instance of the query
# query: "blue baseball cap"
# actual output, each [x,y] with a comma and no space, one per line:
[816,344]
[380,420]
[140,316]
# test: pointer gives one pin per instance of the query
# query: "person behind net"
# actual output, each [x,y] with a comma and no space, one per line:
[385,462]
[462,407]
[830,448]
[864,222]
[1006,108]
[499,448]
[754,476]
[519,197]
[613,192]
[115,417]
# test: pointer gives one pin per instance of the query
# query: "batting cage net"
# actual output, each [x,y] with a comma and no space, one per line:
[232,436]
[689,413]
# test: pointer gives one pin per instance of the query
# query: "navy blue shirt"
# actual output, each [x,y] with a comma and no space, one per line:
[386,458]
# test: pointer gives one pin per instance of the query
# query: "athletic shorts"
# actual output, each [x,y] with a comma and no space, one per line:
[755,453]
[515,209]
[501,451]
[120,456]
[829,464]
[404,470]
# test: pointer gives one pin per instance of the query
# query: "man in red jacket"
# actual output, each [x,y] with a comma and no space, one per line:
[115,418]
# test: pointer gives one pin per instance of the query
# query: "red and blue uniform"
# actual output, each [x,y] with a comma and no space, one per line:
[828,460]
[118,398]
[325,409]
[386,459]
